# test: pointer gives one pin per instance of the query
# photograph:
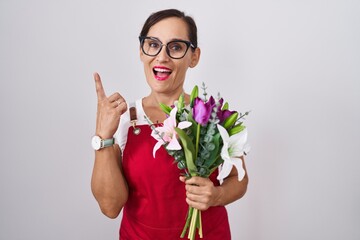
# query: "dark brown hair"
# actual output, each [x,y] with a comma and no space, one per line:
[160,15]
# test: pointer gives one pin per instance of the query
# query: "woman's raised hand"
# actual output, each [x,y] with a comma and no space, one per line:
[109,110]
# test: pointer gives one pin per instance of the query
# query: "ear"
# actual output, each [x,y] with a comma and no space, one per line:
[141,54]
[195,57]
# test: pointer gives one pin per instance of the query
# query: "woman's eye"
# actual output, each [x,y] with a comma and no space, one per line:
[154,45]
[175,47]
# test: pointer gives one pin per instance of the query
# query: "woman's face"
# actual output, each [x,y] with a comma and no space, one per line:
[164,74]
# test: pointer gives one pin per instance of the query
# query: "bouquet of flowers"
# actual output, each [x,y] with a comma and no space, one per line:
[202,137]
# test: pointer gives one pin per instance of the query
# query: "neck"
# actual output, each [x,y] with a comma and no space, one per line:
[151,104]
[156,98]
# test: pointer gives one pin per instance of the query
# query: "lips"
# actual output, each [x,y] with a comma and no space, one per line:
[161,73]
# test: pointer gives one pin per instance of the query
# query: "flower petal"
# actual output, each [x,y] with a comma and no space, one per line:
[224,134]
[238,163]
[172,117]
[184,124]
[225,170]
[227,167]
[225,152]
[168,123]
[247,148]
[240,137]
[174,144]
[201,111]
[156,147]
[237,143]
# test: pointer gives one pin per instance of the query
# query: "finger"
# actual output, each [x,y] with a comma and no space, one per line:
[122,107]
[99,87]
[197,205]
[116,96]
[199,181]
[196,198]
[115,104]
[118,103]
[192,189]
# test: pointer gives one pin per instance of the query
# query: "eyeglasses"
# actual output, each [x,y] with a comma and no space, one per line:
[175,49]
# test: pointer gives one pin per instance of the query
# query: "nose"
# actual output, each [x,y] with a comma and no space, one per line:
[162,56]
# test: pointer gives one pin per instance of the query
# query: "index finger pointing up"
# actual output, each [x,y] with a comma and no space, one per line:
[99,87]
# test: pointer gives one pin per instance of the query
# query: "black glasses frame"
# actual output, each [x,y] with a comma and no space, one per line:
[142,39]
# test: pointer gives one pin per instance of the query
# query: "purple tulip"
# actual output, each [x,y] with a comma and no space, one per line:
[202,111]
[224,114]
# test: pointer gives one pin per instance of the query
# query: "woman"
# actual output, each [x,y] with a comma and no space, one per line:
[126,175]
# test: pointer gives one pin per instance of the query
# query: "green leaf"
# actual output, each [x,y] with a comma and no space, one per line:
[189,151]
[229,122]
[236,129]
[216,164]
[193,124]
[166,109]
[194,94]
[214,153]
[225,106]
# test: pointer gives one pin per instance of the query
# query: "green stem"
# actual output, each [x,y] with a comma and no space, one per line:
[193,224]
[197,140]
[188,218]
[200,225]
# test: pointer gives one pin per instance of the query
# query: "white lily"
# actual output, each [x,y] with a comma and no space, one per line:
[234,147]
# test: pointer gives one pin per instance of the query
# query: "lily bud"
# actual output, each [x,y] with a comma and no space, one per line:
[236,129]
[180,103]
[194,94]
[230,120]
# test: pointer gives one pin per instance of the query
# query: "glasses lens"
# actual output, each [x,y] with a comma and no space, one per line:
[151,46]
[177,49]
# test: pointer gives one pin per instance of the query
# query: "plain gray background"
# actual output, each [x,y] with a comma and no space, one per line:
[294,64]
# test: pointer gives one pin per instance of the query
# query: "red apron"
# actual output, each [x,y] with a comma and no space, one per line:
[156,208]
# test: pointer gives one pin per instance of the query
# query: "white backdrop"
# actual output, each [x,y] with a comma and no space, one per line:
[295,64]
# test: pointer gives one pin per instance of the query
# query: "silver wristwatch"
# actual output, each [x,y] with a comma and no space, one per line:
[97,143]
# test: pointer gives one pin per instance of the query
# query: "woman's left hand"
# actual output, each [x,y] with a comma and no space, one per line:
[201,192]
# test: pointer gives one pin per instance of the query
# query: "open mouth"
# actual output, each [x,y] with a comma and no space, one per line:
[161,73]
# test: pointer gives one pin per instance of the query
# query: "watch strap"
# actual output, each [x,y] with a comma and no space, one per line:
[107,142]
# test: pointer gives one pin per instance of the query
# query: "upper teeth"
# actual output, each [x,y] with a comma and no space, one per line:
[162,70]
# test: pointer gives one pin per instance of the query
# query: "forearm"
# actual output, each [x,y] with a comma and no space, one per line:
[108,183]
[231,190]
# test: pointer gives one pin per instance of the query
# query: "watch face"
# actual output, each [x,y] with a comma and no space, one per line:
[96,142]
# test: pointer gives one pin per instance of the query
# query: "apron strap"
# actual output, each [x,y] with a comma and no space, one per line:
[133,119]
